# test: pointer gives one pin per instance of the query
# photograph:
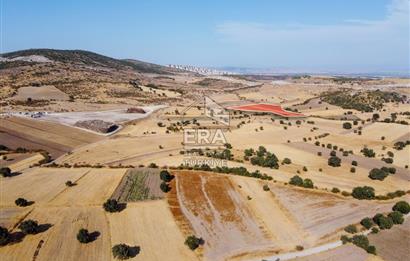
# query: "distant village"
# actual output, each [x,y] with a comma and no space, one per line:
[200,70]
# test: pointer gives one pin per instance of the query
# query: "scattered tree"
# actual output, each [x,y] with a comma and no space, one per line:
[347,125]
[4,236]
[367,223]
[396,217]
[83,236]
[351,229]
[29,227]
[165,187]
[111,205]
[166,176]
[193,242]
[122,251]
[5,172]
[378,174]
[21,202]
[334,161]
[364,192]
[402,206]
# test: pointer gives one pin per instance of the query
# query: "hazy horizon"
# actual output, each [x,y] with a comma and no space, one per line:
[348,37]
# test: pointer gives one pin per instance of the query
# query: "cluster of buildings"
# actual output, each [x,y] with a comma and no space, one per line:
[200,70]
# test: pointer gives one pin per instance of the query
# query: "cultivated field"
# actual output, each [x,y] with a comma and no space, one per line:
[54,138]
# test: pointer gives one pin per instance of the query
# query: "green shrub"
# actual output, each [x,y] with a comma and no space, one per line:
[83,236]
[21,202]
[29,227]
[375,230]
[334,161]
[335,190]
[396,217]
[360,241]
[367,223]
[307,183]
[402,206]
[351,229]
[193,242]
[69,183]
[111,205]
[382,221]
[5,172]
[354,163]
[371,250]
[345,239]
[378,174]
[368,152]
[364,192]
[121,251]
[166,176]
[296,180]
[266,187]
[165,187]
[347,125]
[4,236]
[299,248]
[286,161]
[352,169]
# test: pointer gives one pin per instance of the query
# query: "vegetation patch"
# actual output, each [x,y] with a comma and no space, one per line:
[139,184]
[364,101]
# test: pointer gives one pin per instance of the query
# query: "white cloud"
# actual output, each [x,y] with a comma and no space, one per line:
[350,46]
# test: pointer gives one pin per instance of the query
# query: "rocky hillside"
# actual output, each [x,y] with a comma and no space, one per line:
[78,73]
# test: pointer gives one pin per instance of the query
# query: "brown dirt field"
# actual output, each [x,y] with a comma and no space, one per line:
[218,214]
[393,244]
[285,231]
[321,213]
[150,226]
[35,134]
[40,93]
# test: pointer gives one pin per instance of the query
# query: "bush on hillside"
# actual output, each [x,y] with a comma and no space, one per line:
[402,206]
[364,192]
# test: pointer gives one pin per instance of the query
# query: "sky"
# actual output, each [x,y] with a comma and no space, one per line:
[346,36]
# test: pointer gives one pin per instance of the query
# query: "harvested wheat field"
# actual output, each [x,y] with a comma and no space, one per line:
[58,239]
[150,227]
[23,164]
[40,185]
[54,138]
[95,187]
[124,150]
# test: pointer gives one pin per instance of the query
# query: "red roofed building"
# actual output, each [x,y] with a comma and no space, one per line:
[266,108]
